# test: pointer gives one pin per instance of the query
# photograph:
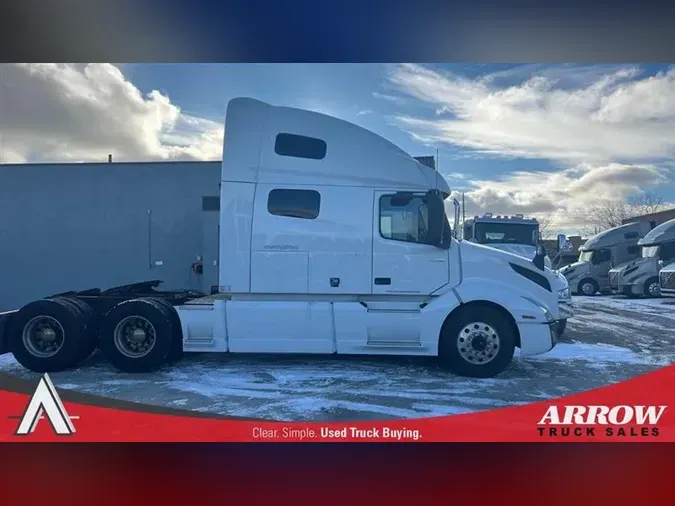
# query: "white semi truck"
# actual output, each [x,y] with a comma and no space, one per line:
[640,277]
[333,241]
[521,236]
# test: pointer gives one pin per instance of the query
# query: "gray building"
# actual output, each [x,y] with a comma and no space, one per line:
[95,225]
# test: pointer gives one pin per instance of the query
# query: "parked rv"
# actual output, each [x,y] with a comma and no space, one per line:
[641,276]
[333,240]
[610,248]
[667,280]
[518,235]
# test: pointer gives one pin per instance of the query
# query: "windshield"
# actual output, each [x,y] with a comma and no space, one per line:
[650,251]
[586,256]
[506,233]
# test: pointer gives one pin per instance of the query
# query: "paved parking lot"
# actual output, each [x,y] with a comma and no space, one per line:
[610,339]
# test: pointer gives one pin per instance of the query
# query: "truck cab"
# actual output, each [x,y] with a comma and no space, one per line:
[640,277]
[590,273]
[520,236]
[332,241]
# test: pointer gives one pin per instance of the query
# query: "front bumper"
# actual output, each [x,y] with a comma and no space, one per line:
[537,338]
[629,290]
[555,334]
[565,308]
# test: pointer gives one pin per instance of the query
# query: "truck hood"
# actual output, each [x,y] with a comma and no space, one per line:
[523,250]
[575,269]
[472,250]
[669,268]
[633,264]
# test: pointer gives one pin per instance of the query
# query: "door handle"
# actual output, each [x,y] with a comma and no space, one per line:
[383,281]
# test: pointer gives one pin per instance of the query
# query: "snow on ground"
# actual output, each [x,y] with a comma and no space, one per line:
[610,339]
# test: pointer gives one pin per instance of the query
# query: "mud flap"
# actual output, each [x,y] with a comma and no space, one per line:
[5,319]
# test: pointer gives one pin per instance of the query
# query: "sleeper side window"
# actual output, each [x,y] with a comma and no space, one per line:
[304,204]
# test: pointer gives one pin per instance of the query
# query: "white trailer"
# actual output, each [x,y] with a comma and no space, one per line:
[332,240]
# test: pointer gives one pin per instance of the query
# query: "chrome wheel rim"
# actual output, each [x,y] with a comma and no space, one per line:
[654,289]
[43,336]
[135,336]
[588,289]
[478,343]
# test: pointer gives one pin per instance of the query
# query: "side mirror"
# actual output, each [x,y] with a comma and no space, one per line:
[538,259]
[438,234]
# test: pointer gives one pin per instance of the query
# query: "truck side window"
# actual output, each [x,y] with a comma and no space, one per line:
[668,252]
[294,203]
[631,235]
[407,223]
[300,146]
[601,256]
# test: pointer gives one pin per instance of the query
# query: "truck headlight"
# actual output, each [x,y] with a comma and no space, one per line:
[564,294]
[547,314]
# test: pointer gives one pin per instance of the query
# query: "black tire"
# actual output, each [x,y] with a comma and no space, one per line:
[452,359]
[90,339]
[652,281]
[589,282]
[71,331]
[158,323]
[176,352]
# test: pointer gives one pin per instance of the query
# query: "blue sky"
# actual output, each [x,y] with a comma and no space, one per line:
[347,90]
[545,140]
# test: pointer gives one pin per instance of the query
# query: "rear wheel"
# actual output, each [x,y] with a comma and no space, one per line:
[137,335]
[47,335]
[478,342]
[652,288]
[90,337]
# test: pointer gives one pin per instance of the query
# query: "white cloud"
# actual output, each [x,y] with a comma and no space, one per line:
[559,195]
[614,117]
[608,128]
[61,112]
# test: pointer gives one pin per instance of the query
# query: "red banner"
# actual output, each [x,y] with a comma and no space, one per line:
[636,410]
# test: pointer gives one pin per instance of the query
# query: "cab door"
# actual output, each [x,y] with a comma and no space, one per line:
[402,262]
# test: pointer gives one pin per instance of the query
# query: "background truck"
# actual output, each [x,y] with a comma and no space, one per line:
[332,240]
[667,280]
[610,248]
[640,277]
[520,236]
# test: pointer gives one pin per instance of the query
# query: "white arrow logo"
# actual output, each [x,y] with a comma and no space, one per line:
[46,400]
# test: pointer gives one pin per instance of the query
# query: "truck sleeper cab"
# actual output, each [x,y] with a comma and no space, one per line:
[332,240]
[640,277]
[590,274]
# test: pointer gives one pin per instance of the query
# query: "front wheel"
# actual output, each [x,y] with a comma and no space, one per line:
[478,343]
[588,287]
[652,288]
